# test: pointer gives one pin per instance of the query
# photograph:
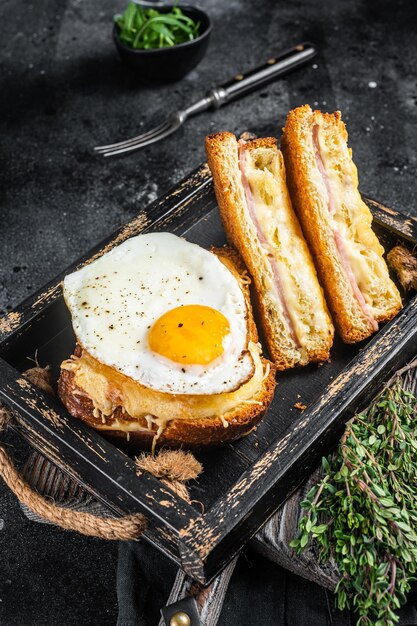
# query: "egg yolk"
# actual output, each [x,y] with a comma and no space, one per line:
[191,334]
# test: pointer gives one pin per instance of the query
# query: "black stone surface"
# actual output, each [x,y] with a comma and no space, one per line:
[63,91]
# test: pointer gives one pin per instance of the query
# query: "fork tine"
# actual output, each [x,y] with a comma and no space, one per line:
[141,144]
[128,142]
[134,140]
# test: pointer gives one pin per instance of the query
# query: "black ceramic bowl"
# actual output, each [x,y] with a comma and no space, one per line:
[168,64]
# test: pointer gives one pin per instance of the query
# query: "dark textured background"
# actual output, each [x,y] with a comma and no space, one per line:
[63,91]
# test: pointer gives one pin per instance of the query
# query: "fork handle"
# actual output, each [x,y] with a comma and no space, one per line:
[242,84]
[275,67]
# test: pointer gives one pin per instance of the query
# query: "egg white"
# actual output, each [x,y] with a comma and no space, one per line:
[115,300]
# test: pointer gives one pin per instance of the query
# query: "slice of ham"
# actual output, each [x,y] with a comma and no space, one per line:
[277,282]
[340,244]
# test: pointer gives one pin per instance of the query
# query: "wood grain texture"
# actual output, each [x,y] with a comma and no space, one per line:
[244,482]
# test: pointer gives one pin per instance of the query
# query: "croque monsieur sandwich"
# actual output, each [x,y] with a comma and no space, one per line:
[323,182]
[255,207]
[167,349]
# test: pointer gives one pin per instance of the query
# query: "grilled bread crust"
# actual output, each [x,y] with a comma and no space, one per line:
[311,202]
[179,432]
[222,154]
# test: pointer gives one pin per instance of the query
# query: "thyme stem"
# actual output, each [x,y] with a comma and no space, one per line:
[368,501]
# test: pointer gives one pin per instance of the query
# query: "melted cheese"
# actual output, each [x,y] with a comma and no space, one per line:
[353,220]
[301,290]
[108,390]
[130,426]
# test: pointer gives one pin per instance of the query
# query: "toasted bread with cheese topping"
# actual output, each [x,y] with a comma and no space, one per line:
[123,408]
[323,183]
[255,206]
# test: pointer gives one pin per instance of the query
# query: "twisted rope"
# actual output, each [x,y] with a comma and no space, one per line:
[125,528]
[172,467]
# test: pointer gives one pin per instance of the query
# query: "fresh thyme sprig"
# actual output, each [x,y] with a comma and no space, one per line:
[146,29]
[363,512]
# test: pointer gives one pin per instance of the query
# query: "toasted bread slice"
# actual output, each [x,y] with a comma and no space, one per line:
[323,183]
[250,185]
[124,409]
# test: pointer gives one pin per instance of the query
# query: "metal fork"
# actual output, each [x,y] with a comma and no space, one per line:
[240,85]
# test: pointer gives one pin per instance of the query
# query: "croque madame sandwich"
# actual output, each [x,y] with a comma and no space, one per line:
[323,182]
[255,207]
[167,349]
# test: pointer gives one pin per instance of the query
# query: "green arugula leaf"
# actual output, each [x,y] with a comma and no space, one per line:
[146,29]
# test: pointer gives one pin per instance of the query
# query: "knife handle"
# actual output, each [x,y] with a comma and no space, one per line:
[275,67]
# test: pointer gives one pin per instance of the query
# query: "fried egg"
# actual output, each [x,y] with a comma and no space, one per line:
[164,312]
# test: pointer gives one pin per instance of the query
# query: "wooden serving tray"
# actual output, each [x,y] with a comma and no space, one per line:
[244,482]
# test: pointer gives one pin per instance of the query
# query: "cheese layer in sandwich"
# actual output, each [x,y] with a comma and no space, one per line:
[96,384]
[323,182]
[249,179]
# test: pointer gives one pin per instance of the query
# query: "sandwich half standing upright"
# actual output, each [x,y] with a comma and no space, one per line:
[255,206]
[323,182]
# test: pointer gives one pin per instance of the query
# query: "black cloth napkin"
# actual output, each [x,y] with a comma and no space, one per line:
[260,592]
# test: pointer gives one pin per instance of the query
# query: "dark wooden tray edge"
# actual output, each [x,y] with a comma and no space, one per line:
[199,547]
